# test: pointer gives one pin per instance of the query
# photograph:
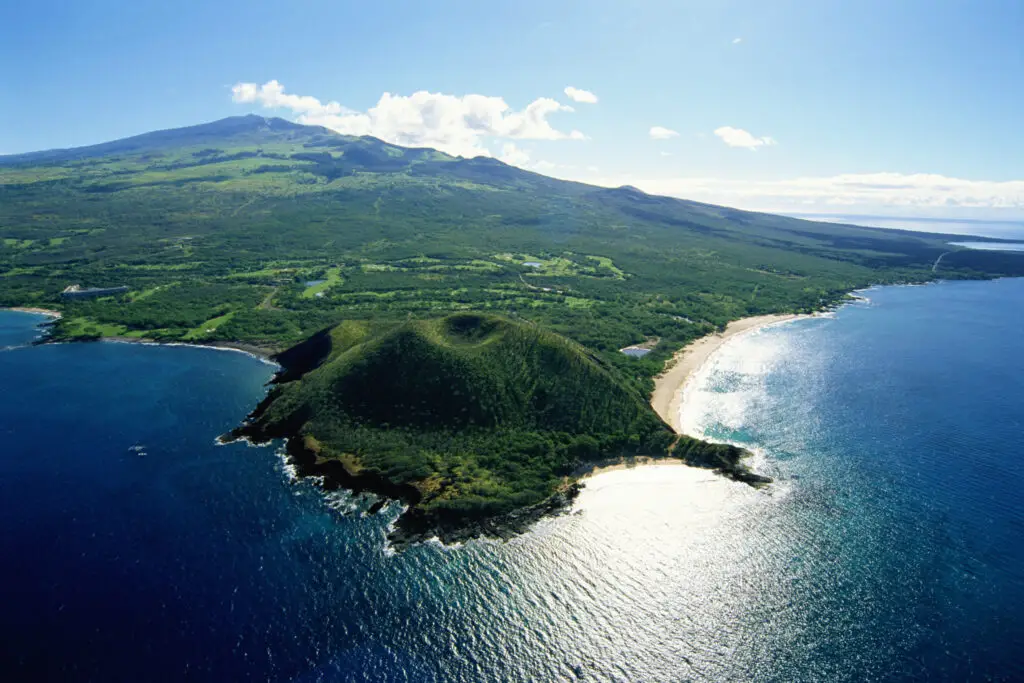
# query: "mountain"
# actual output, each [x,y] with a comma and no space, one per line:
[477,422]
[234,130]
[260,231]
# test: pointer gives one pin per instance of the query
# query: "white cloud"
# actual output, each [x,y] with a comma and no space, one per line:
[577,95]
[514,156]
[455,124]
[737,137]
[469,124]
[666,154]
[737,41]
[555,170]
[660,133]
[272,95]
[914,193]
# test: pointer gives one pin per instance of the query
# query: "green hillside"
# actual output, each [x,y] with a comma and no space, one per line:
[467,417]
[353,254]
[219,229]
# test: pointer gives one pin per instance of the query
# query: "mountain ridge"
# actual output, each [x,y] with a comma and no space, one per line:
[231,126]
[161,139]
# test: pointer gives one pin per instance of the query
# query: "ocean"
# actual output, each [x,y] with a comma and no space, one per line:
[136,548]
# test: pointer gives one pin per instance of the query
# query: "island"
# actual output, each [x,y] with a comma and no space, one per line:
[479,423]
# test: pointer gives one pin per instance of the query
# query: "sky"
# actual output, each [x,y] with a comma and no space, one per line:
[894,107]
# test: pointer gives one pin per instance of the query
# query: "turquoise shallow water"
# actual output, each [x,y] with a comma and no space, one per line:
[890,549]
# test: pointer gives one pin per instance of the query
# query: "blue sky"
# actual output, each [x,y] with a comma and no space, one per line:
[909,107]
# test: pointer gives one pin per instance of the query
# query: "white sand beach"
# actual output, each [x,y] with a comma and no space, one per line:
[668,387]
[32,309]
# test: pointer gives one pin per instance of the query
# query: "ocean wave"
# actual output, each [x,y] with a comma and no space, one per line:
[728,397]
[392,526]
[438,544]
[343,502]
[228,439]
[722,390]
[13,347]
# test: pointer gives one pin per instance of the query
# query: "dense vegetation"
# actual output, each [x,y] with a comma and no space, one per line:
[262,231]
[471,416]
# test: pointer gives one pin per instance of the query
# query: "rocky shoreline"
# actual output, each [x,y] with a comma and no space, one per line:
[414,525]
[725,459]
[261,352]
[422,521]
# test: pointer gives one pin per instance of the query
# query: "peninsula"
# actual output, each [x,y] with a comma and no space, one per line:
[479,423]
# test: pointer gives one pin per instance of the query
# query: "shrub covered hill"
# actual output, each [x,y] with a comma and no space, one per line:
[478,422]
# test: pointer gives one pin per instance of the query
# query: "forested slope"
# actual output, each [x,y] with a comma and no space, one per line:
[263,231]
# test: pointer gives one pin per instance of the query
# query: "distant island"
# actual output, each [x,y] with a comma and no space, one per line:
[479,423]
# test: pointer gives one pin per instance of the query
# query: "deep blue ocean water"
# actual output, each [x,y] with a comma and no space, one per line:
[891,547]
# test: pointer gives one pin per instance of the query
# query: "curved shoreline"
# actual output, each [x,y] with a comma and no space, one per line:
[667,397]
[597,467]
[712,468]
[259,352]
[56,315]
[265,354]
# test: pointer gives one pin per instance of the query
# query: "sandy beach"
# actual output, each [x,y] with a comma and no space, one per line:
[698,500]
[668,386]
[695,483]
[616,464]
[30,309]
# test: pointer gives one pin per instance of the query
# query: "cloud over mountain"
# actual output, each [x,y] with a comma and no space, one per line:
[461,125]
[912,193]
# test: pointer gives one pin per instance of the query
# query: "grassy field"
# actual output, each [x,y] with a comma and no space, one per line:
[331,277]
[206,329]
